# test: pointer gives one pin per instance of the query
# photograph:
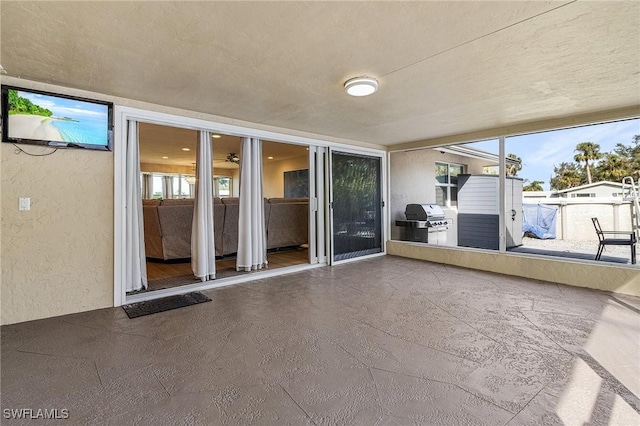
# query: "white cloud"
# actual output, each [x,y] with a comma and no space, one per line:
[44,103]
[64,111]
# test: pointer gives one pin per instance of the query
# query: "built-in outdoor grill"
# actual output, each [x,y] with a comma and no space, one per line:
[424,222]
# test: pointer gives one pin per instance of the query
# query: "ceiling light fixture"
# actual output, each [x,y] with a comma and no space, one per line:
[165,158]
[216,136]
[186,149]
[361,86]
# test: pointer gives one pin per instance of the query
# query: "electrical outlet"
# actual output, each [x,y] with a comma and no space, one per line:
[24,204]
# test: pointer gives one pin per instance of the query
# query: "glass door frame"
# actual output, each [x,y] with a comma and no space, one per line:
[318,205]
[123,114]
[383,197]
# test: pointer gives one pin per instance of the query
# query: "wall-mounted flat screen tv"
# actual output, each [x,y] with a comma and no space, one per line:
[41,118]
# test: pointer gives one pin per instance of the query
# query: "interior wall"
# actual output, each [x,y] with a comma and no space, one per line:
[166,168]
[273,174]
[613,278]
[235,183]
[179,169]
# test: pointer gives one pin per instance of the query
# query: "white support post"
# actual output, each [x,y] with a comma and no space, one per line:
[503,203]
[616,215]
[563,221]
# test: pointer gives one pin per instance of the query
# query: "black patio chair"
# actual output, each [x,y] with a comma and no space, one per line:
[628,240]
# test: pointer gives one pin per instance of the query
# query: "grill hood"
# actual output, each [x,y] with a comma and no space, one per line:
[423,212]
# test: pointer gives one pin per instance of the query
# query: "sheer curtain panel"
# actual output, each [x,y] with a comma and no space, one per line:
[203,253]
[135,264]
[147,186]
[252,237]
[167,187]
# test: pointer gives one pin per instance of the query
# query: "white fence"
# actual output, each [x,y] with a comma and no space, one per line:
[574,216]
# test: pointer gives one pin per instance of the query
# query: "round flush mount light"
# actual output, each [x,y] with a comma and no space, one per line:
[361,86]
[186,149]
[216,136]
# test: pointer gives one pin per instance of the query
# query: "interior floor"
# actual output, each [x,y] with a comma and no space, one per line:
[382,341]
[162,275]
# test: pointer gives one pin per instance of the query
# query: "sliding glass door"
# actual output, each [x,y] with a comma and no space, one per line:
[356,205]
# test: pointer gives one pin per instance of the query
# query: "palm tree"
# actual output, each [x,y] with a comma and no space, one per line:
[536,185]
[513,166]
[613,168]
[587,151]
[566,175]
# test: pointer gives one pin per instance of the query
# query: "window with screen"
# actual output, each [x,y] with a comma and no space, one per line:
[447,183]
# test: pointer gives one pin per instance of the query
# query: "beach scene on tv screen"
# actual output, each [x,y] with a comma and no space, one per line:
[50,118]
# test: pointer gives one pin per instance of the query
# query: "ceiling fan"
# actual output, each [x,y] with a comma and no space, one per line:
[233,158]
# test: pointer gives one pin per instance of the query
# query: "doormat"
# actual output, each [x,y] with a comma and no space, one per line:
[149,307]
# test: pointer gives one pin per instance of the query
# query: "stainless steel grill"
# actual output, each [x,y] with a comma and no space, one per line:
[424,222]
[431,213]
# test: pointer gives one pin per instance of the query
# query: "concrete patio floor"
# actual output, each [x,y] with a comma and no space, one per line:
[387,341]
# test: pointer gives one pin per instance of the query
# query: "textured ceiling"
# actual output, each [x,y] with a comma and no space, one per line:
[164,141]
[444,67]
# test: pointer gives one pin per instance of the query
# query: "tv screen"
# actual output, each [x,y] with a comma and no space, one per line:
[42,118]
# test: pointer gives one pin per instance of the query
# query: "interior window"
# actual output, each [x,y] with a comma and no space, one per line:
[156,183]
[222,186]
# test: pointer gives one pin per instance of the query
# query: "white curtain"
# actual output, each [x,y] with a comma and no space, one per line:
[252,236]
[147,186]
[203,253]
[135,264]
[167,187]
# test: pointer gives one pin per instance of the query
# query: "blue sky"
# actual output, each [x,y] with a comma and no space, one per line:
[541,151]
[63,107]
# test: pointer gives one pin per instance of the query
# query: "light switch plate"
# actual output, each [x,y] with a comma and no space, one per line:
[24,204]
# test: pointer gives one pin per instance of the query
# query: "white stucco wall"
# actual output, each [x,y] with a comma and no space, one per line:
[413,180]
[57,258]
[608,277]
[602,190]
[573,220]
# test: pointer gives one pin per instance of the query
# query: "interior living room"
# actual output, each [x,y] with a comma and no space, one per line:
[407,304]
[168,162]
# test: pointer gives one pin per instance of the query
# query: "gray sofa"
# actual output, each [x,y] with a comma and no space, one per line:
[288,222]
[230,228]
[168,223]
[152,232]
[167,227]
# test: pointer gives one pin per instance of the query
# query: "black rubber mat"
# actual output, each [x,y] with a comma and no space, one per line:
[149,307]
